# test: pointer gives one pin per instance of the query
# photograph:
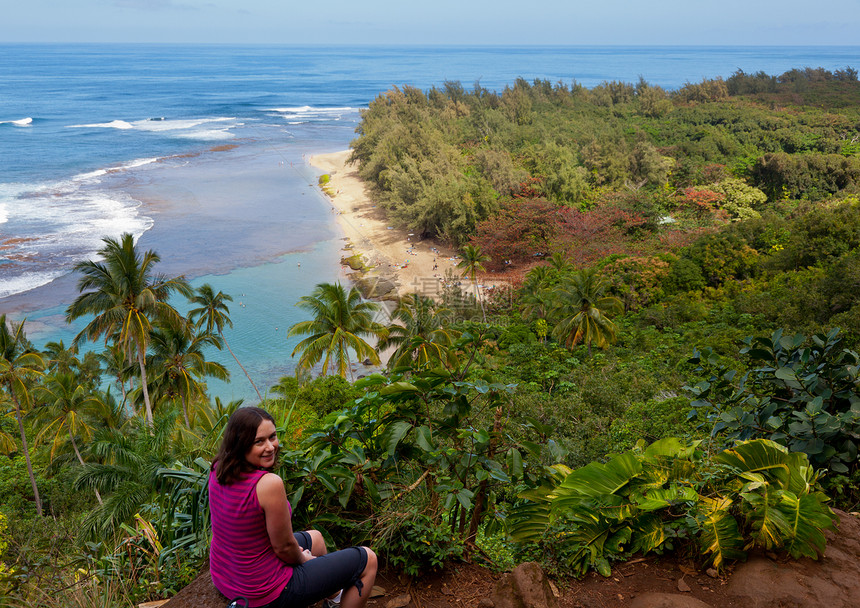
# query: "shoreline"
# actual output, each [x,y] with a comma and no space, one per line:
[390,252]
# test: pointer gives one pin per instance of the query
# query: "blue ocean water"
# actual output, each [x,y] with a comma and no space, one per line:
[200,151]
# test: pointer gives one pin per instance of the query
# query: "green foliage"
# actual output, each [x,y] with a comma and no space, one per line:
[419,544]
[804,394]
[673,496]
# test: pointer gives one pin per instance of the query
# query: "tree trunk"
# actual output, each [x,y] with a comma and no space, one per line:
[142,362]
[185,412]
[241,367]
[478,510]
[26,452]
[81,460]
[480,300]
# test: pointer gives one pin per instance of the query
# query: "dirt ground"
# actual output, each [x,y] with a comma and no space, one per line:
[464,585]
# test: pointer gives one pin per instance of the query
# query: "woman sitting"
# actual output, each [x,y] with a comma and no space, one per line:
[255,555]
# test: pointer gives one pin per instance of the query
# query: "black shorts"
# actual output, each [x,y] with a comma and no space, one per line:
[322,576]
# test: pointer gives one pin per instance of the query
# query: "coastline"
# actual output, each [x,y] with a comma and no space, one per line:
[392,253]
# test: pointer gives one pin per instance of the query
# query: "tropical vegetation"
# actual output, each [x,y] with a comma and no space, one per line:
[673,366]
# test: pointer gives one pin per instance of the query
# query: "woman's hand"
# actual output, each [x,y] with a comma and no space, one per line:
[307,555]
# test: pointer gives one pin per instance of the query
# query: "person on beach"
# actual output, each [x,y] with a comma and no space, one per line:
[255,557]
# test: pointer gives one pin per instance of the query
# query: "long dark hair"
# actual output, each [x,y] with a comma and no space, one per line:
[238,438]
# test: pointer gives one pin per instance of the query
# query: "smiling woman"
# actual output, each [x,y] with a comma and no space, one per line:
[255,556]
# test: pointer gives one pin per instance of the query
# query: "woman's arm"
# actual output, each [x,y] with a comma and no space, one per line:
[273,501]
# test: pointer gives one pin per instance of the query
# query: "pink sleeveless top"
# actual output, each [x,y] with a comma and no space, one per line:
[242,561]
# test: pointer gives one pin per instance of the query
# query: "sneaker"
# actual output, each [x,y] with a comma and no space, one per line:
[330,603]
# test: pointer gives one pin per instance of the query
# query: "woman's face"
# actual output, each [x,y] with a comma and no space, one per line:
[265,447]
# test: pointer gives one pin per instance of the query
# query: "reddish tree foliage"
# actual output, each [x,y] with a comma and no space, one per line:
[594,234]
[523,229]
[701,201]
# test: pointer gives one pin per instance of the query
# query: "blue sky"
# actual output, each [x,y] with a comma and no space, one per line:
[505,22]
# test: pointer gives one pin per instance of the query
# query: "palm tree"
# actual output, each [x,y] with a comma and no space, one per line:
[583,311]
[212,313]
[536,292]
[19,364]
[126,474]
[418,331]
[117,365]
[340,321]
[126,299]
[66,404]
[177,354]
[472,262]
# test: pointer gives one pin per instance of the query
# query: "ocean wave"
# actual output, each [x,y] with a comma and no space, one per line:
[10,285]
[23,122]
[191,128]
[133,164]
[301,114]
[114,124]
[50,227]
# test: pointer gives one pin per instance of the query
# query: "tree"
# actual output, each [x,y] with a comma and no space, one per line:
[212,313]
[127,298]
[178,358]
[583,310]
[418,332]
[340,321]
[19,364]
[66,405]
[472,262]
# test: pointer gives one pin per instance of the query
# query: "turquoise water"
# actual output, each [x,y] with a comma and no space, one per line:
[201,153]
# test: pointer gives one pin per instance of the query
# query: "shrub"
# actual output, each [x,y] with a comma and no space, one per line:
[670,496]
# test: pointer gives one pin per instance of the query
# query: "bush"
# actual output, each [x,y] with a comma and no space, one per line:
[669,496]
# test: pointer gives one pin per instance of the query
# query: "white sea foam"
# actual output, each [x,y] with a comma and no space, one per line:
[183,128]
[10,285]
[114,124]
[53,226]
[3,214]
[303,114]
[133,164]
[23,122]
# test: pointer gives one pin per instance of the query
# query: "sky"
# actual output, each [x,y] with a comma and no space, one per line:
[430,22]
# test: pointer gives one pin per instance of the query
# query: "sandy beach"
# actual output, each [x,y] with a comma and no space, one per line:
[393,253]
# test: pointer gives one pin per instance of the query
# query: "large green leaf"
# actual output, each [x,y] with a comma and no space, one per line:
[768,524]
[721,537]
[806,517]
[595,479]
[649,533]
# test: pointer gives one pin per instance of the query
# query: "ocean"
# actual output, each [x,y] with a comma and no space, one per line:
[201,152]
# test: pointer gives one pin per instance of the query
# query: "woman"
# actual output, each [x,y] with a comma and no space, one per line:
[254,553]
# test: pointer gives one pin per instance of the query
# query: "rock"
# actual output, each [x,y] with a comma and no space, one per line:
[683,587]
[832,581]
[401,601]
[486,602]
[375,287]
[712,573]
[526,586]
[354,261]
[667,600]
[201,593]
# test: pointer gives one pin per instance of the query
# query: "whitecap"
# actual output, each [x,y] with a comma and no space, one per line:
[10,285]
[114,124]
[207,134]
[175,124]
[133,164]
[23,122]
[52,226]
[310,113]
